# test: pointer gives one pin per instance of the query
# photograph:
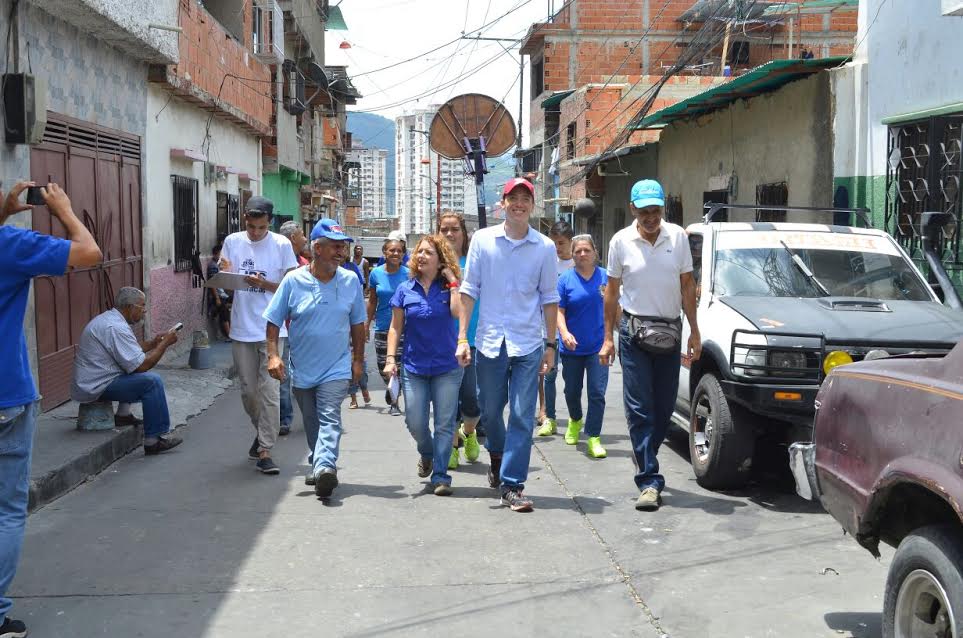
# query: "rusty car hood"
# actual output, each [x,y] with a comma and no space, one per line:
[848,319]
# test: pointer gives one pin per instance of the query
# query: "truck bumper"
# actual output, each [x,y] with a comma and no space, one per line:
[802,462]
[761,399]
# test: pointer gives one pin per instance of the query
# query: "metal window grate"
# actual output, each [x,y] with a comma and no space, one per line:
[923,173]
[186,222]
[776,194]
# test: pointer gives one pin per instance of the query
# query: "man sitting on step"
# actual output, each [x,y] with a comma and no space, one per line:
[111,365]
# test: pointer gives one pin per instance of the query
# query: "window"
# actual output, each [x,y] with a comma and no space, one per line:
[673,209]
[923,174]
[717,197]
[538,77]
[570,132]
[228,214]
[292,88]
[775,194]
[186,223]
[738,53]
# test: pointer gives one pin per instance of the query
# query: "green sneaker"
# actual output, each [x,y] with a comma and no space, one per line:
[571,434]
[595,449]
[472,449]
[453,459]
[549,427]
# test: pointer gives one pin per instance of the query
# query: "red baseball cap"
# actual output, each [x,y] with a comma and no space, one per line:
[512,184]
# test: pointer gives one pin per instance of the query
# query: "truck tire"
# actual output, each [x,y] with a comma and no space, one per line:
[924,587]
[721,438]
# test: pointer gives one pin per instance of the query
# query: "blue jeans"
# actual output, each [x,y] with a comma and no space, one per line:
[550,391]
[321,413]
[16,443]
[287,408]
[649,386]
[146,388]
[363,383]
[501,380]
[575,367]
[468,406]
[441,391]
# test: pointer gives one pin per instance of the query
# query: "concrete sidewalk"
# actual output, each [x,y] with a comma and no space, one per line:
[197,543]
[64,457]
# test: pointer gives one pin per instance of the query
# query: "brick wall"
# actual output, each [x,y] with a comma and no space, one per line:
[208,54]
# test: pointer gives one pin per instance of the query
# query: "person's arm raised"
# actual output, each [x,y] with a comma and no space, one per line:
[83,248]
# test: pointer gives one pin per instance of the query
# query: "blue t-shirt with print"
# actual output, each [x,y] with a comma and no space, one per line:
[25,255]
[321,317]
[582,299]
[385,286]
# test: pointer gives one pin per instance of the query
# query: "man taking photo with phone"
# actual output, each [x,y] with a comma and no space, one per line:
[26,255]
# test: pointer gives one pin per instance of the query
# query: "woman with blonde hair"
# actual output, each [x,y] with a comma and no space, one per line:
[451,226]
[422,309]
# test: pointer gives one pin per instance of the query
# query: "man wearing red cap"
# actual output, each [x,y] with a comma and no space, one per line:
[511,272]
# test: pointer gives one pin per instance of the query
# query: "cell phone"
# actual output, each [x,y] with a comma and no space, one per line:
[177,326]
[34,196]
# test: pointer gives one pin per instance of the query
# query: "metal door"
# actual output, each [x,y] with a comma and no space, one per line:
[99,168]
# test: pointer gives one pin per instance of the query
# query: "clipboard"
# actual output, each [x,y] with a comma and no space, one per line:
[227,281]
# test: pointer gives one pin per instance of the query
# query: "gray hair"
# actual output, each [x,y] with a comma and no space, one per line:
[128,296]
[584,237]
[320,241]
[289,228]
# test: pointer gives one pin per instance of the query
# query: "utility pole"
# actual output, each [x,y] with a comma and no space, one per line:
[438,194]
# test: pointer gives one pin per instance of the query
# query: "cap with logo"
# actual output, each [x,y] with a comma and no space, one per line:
[260,205]
[329,229]
[512,184]
[647,192]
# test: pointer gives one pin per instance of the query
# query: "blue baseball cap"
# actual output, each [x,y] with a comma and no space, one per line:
[647,192]
[328,229]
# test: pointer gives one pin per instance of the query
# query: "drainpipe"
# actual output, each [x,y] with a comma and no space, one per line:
[932,225]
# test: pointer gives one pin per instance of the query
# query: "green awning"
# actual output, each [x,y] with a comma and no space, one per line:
[923,114]
[762,79]
[814,6]
[555,99]
[335,21]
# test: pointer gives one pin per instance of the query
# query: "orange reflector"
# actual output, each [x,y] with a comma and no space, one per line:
[787,396]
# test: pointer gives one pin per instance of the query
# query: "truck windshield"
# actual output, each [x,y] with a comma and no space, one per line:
[770,272]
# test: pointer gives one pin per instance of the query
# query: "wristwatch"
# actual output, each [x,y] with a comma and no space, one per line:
[551,344]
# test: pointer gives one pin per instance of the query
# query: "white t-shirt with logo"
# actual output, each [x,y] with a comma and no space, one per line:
[271,257]
[650,273]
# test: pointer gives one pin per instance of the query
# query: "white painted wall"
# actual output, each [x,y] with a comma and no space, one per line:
[180,125]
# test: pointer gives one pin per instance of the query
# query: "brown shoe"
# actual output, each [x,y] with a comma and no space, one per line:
[424,467]
[442,489]
[163,444]
[125,420]
[649,500]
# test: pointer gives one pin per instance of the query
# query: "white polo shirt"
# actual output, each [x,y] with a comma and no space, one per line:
[650,273]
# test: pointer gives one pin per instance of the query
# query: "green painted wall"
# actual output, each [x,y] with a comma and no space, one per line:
[284,189]
[870,191]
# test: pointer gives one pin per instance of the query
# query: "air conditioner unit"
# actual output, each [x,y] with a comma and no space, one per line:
[24,108]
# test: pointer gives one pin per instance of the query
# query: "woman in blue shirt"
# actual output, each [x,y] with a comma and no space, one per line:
[581,326]
[451,226]
[421,313]
[382,283]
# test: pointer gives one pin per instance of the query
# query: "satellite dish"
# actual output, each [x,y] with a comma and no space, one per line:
[473,116]
[314,72]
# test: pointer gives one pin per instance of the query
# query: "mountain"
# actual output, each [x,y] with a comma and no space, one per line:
[374,131]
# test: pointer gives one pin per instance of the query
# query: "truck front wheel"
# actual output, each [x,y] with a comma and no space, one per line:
[924,587]
[721,438]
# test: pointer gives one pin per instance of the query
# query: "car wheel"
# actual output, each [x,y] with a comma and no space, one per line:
[721,438]
[924,587]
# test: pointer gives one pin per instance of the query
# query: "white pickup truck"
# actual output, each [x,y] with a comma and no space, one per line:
[781,304]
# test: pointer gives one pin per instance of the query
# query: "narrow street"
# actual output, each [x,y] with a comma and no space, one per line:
[196,543]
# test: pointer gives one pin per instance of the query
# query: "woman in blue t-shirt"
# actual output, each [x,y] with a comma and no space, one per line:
[581,326]
[421,312]
[382,283]
[451,226]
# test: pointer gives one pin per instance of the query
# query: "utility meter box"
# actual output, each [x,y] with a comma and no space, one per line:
[25,108]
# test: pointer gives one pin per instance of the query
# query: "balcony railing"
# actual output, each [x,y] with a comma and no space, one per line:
[268,31]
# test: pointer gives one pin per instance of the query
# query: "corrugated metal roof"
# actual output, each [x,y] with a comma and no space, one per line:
[762,79]
[813,6]
[335,21]
[555,99]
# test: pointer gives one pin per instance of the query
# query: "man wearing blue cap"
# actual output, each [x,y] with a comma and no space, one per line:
[263,257]
[325,305]
[650,277]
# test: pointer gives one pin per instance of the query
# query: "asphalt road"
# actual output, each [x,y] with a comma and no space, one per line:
[196,543]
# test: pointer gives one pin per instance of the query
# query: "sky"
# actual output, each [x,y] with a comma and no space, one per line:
[386,32]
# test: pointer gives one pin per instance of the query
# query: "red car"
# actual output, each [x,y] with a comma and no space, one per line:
[887,463]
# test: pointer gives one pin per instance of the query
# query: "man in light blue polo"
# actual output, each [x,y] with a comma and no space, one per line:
[325,305]
[511,272]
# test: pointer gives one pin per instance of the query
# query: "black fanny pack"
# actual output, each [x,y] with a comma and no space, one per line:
[655,334]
